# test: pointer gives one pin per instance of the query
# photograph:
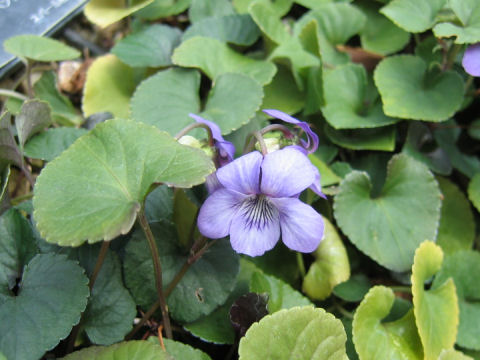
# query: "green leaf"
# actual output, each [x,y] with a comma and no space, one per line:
[94,190]
[200,10]
[452,354]
[110,311]
[108,87]
[420,145]
[280,262]
[51,297]
[51,143]
[9,150]
[348,104]
[185,218]
[235,28]
[409,91]
[457,227]
[33,118]
[159,204]
[328,177]
[226,108]
[174,92]
[474,191]
[331,266]
[297,333]
[269,22]
[468,31]
[107,12]
[215,58]
[63,112]
[205,286]
[163,8]
[151,46]
[380,139]
[377,339]
[380,35]
[413,15]
[463,267]
[179,351]
[279,7]
[354,289]
[127,350]
[474,130]
[436,309]
[39,48]
[280,294]
[390,226]
[17,247]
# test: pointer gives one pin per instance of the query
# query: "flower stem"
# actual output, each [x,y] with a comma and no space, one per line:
[301,264]
[256,135]
[30,92]
[142,219]
[186,130]
[13,94]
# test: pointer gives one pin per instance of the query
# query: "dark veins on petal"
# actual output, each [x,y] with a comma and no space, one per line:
[259,211]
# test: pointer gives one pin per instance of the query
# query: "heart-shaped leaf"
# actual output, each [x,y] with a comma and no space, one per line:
[236,29]
[468,11]
[33,118]
[463,267]
[178,350]
[436,310]
[108,87]
[50,299]
[413,15]
[51,143]
[175,91]
[376,339]
[457,227]
[205,286]
[279,7]
[380,226]
[453,354]
[474,191]
[215,58]
[354,289]
[349,103]
[410,92]
[107,12]
[200,9]
[151,46]
[127,350]
[331,266]
[268,21]
[297,333]
[380,35]
[39,48]
[380,139]
[108,164]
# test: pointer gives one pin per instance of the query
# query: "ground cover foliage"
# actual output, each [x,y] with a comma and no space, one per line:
[94,182]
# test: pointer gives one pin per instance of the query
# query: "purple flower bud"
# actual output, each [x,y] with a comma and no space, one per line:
[258,201]
[471,60]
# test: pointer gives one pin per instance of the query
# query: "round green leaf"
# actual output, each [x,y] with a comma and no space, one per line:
[94,190]
[348,105]
[215,58]
[151,46]
[453,354]
[468,31]
[457,228]
[474,191]
[330,268]
[174,92]
[413,15]
[200,9]
[376,339]
[51,297]
[268,21]
[179,351]
[205,286]
[127,350]
[39,48]
[390,226]
[436,310]
[17,247]
[380,35]
[51,143]
[379,139]
[354,289]
[302,333]
[236,29]
[108,87]
[110,311]
[107,12]
[463,267]
[410,92]
[280,294]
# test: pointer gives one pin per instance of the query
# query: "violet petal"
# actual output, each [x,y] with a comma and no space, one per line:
[286,172]
[471,60]
[302,227]
[242,174]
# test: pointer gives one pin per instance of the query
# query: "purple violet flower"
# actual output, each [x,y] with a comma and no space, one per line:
[311,144]
[258,200]
[226,150]
[471,60]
